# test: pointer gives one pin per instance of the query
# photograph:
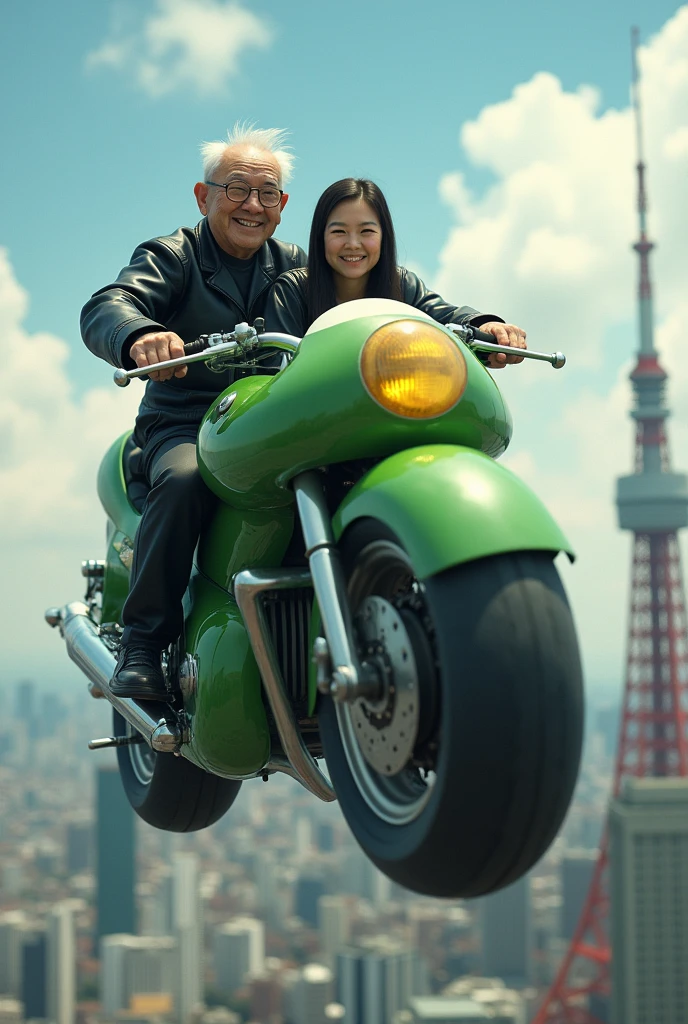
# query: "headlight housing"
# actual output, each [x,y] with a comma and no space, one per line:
[413,369]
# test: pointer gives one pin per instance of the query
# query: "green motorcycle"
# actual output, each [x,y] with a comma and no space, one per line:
[374,590]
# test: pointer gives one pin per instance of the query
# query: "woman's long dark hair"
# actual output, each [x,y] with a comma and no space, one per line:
[383,281]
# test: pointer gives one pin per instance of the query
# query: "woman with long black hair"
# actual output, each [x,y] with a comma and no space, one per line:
[352,255]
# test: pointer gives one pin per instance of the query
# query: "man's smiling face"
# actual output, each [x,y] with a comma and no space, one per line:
[241,228]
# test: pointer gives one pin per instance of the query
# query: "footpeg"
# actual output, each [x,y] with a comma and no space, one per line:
[115,741]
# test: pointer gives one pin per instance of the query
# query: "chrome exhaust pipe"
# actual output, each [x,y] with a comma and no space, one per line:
[87,650]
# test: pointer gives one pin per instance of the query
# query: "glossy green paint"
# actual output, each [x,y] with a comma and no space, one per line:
[239,539]
[229,732]
[317,412]
[112,490]
[450,504]
[123,520]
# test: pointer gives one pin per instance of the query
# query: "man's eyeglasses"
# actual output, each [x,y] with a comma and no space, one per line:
[238,192]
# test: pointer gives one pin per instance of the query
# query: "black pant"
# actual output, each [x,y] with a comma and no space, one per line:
[177,507]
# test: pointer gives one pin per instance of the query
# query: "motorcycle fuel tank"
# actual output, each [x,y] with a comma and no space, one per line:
[317,411]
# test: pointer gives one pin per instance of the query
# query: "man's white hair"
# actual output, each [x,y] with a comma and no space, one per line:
[245,133]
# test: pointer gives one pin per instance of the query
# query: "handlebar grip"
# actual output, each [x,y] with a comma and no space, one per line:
[199,345]
[483,336]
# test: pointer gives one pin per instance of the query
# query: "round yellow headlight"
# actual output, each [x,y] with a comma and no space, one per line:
[413,369]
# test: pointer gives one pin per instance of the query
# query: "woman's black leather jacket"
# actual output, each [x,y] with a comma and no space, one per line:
[287,306]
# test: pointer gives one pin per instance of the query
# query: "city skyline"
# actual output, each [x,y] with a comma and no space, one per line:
[537,223]
[298,838]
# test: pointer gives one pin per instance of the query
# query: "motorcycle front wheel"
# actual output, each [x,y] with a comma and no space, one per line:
[457,779]
[170,792]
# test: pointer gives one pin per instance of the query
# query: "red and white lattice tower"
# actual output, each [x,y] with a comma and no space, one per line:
[653,504]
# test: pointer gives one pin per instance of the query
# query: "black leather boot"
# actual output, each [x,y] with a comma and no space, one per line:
[138,673]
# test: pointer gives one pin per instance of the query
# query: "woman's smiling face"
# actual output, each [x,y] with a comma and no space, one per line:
[353,238]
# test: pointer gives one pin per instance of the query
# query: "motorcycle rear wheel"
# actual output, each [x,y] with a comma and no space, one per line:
[170,792]
[503,686]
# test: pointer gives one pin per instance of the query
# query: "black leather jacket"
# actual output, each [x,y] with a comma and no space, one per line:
[287,307]
[179,283]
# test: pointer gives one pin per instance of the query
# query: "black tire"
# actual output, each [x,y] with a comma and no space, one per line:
[505,686]
[170,792]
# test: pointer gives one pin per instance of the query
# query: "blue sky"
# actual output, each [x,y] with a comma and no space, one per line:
[502,136]
[374,87]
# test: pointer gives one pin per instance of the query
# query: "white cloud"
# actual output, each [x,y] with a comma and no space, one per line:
[548,244]
[51,441]
[184,44]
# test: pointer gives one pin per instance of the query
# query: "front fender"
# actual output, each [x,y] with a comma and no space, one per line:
[449,504]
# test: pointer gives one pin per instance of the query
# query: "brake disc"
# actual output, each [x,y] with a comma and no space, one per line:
[387,729]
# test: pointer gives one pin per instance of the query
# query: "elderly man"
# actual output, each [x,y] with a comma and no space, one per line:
[192,282]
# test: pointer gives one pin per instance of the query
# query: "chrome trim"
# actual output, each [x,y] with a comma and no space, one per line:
[225,404]
[239,342]
[465,334]
[350,678]
[188,676]
[97,662]
[557,359]
[122,377]
[115,741]
[282,765]
[249,584]
[93,568]
[125,551]
[53,616]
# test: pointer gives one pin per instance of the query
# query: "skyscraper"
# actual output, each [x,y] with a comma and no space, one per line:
[79,842]
[376,979]
[333,924]
[187,923]
[34,973]
[239,950]
[309,888]
[577,867]
[310,993]
[648,862]
[135,967]
[61,964]
[269,898]
[506,933]
[115,838]
[13,930]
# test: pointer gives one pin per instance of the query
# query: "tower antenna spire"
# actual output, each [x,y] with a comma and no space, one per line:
[635,94]
[652,503]
[643,246]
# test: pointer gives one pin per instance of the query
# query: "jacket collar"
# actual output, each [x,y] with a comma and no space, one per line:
[219,276]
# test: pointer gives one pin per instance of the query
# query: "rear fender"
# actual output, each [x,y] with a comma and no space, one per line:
[123,520]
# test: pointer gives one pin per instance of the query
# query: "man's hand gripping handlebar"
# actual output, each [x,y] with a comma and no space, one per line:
[242,347]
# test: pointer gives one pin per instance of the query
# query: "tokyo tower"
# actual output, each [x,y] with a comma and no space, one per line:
[653,504]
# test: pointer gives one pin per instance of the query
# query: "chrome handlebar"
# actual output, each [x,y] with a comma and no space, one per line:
[225,350]
[242,342]
[475,340]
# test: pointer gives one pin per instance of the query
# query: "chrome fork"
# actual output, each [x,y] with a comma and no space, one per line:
[348,678]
